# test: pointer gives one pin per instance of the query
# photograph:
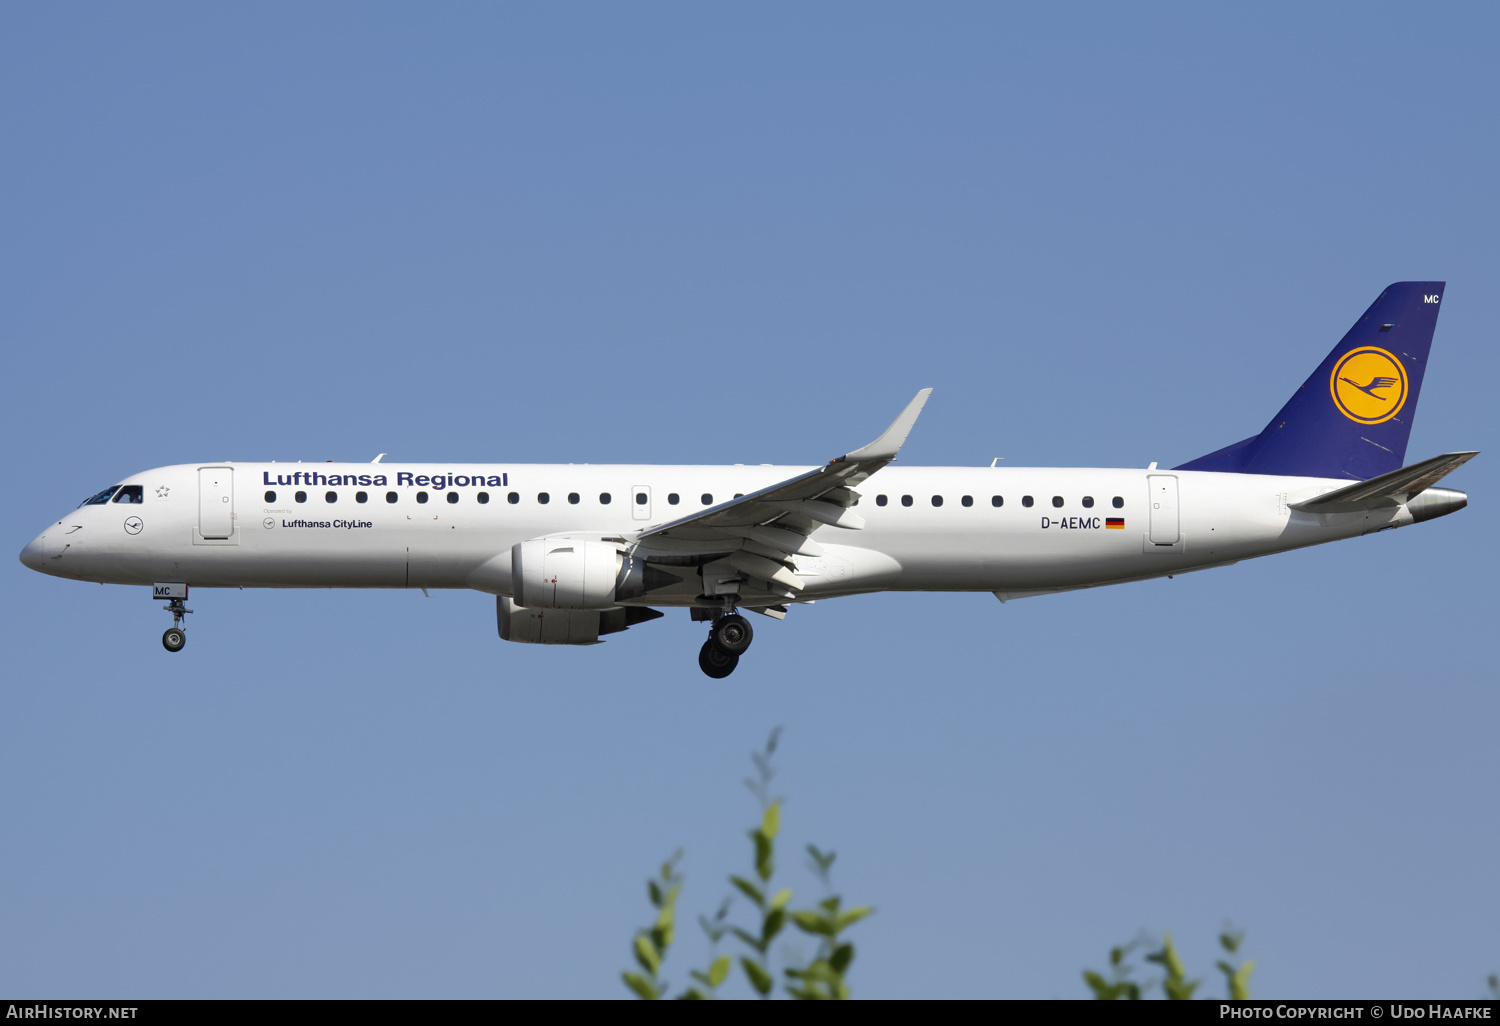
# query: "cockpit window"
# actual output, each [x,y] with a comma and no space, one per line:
[131,493]
[100,499]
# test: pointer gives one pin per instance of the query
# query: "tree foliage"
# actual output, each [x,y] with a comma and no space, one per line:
[824,977]
[1121,985]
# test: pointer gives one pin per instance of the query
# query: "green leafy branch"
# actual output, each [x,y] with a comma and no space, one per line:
[1119,987]
[823,978]
[651,944]
[1236,977]
[763,839]
[1175,985]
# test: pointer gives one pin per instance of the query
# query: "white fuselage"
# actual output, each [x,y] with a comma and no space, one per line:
[427,526]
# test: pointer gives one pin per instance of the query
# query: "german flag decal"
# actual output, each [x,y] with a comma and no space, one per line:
[1114,524]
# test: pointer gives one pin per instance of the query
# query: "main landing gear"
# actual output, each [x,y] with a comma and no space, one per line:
[175,637]
[728,639]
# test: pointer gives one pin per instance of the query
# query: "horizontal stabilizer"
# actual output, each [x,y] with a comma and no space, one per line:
[1391,489]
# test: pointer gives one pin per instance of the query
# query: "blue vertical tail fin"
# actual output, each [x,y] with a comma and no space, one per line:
[1353,417]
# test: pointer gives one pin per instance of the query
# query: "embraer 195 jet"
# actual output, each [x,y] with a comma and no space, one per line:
[573,553]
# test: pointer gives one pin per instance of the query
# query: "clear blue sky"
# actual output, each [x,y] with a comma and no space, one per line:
[678,233]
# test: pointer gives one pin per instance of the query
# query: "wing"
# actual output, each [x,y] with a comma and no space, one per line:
[759,534]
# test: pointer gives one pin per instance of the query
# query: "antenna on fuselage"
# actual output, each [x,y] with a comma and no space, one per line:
[377,459]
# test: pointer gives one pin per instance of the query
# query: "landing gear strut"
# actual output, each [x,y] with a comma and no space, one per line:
[728,639]
[175,637]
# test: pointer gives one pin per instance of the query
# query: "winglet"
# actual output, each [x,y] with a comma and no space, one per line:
[889,444]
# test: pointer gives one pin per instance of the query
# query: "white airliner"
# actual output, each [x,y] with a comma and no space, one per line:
[573,553]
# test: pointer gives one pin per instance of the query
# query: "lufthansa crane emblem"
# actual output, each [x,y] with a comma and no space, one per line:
[1369,385]
[133,525]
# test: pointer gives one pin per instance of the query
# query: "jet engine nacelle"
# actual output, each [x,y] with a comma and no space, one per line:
[579,573]
[565,626]
[564,573]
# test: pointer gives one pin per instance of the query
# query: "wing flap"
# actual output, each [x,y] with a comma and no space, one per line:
[763,568]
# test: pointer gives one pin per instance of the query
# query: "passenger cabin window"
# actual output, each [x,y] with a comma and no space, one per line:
[1088,502]
[640,498]
[708,500]
[300,496]
[572,498]
[131,493]
[1057,501]
[543,498]
[1026,501]
[1118,502]
[967,500]
[673,498]
[880,500]
[270,496]
[452,498]
[997,500]
[906,500]
[604,498]
[421,496]
[390,496]
[98,500]
[484,498]
[513,498]
[330,496]
[361,496]
[937,500]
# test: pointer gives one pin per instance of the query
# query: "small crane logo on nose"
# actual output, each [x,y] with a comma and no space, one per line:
[133,525]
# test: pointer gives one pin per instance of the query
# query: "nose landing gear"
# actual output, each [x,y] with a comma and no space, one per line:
[728,639]
[175,637]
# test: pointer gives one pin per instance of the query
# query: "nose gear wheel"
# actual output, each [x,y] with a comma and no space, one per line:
[175,637]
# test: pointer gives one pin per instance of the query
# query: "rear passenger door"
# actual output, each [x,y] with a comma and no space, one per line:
[1165,529]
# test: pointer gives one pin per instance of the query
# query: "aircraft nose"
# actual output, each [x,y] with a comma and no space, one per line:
[37,551]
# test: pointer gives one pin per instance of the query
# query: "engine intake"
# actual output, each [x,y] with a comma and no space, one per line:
[564,573]
[581,574]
